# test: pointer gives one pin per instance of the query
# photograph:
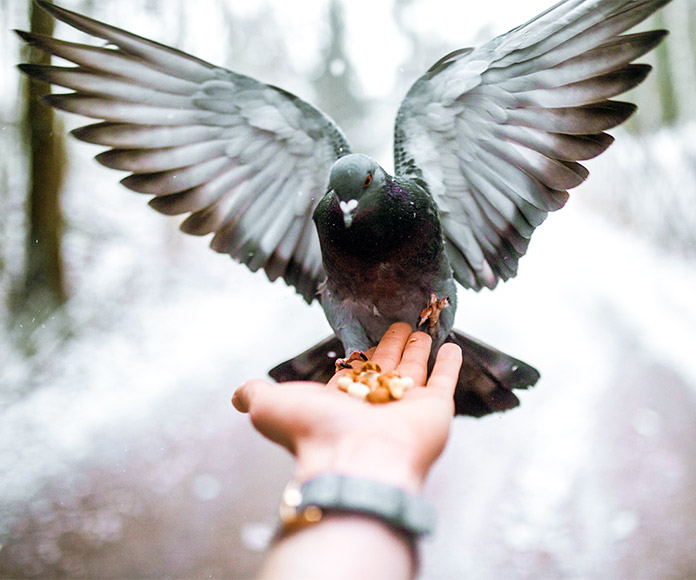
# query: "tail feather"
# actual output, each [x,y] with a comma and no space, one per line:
[485,383]
[314,364]
[488,377]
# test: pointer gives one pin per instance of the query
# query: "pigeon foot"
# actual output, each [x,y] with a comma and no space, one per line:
[344,363]
[431,314]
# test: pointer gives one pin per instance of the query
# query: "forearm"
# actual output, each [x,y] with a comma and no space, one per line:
[378,458]
[342,546]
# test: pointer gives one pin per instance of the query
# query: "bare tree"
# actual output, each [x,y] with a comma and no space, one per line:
[43,287]
[665,79]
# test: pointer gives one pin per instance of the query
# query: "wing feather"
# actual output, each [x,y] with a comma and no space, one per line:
[157,55]
[248,162]
[163,159]
[496,133]
[561,146]
[125,136]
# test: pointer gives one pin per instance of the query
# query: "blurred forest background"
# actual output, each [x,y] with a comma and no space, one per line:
[121,340]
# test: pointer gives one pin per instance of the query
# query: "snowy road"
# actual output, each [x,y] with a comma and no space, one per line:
[129,461]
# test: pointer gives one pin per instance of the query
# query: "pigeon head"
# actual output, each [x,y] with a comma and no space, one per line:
[354,179]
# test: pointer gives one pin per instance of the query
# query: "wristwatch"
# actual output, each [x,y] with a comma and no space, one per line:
[305,504]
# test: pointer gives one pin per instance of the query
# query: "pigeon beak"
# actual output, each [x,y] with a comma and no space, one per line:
[348,208]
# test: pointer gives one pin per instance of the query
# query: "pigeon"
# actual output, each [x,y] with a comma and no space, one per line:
[486,144]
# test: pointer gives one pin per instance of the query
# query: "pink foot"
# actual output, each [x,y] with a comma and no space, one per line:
[344,363]
[431,314]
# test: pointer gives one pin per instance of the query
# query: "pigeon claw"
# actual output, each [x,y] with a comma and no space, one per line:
[431,314]
[344,363]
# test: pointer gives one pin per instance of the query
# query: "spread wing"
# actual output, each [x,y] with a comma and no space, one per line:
[496,133]
[248,162]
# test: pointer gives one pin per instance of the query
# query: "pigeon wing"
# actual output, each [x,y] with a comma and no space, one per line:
[496,133]
[247,161]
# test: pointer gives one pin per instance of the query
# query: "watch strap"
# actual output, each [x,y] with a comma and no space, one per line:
[305,504]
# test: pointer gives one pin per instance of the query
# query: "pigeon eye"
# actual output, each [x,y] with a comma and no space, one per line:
[368,181]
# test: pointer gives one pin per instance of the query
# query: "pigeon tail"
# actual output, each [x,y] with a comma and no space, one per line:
[485,384]
[315,364]
[487,378]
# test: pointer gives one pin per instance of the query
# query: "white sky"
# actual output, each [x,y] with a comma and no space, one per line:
[372,33]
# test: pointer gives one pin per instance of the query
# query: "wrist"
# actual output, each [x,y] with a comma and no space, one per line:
[385,461]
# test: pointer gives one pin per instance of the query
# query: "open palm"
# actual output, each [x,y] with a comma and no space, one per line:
[328,431]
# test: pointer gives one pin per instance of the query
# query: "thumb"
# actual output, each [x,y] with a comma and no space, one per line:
[244,395]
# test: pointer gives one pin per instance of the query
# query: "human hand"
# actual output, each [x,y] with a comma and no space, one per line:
[328,431]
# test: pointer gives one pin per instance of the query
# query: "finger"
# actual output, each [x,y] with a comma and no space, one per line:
[243,396]
[259,398]
[388,352]
[414,362]
[446,370]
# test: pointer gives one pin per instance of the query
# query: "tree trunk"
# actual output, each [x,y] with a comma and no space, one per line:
[44,285]
[663,70]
